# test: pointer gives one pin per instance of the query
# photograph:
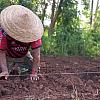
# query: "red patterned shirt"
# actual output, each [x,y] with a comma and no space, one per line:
[14,48]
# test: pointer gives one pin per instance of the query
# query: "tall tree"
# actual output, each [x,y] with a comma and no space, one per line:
[96,17]
[91,16]
[97,7]
[44,7]
[54,16]
[53,11]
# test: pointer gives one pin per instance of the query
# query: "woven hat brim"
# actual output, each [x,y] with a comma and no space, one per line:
[20,31]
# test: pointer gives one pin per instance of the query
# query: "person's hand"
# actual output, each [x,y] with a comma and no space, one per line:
[33,75]
[4,74]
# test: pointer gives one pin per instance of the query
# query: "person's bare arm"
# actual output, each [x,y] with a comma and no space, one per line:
[36,58]
[36,63]
[3,64]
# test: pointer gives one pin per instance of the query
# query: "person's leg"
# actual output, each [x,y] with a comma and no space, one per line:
[13,65]
[10,63]
[22,65]
[27,65]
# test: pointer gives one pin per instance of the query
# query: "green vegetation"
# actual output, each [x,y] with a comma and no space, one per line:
[67,34]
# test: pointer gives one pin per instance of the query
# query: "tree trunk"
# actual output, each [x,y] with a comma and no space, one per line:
[97,7]
[53,10]
[44,11]
[54,16]
[91,17]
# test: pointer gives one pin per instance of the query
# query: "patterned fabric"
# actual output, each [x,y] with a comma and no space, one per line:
[14,48]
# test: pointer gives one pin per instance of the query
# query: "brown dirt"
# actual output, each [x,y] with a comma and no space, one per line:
[65,78]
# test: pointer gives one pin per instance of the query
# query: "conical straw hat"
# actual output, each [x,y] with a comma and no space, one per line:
[21,23]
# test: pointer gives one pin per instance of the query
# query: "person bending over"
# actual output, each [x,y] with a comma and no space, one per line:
[20,29]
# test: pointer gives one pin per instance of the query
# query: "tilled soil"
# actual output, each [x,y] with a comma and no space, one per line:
[61,78]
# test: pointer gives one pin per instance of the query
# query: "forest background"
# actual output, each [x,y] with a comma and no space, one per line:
[71,27]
